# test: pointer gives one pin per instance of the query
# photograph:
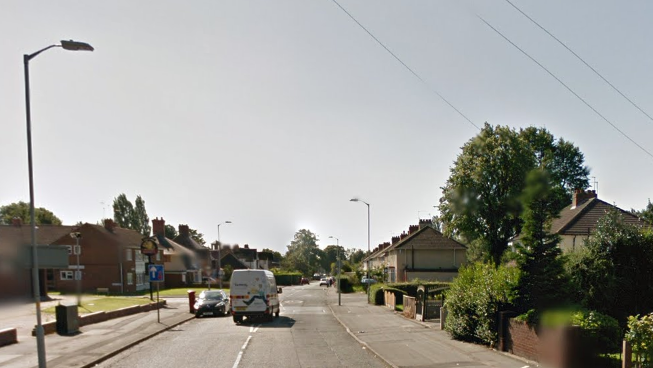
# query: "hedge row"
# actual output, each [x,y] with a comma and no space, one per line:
[288,278]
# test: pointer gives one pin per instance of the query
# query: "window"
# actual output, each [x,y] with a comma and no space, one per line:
[70,249]
[66,275]
[130,278]
[128,254]
[139,257]
[158,256]
[139,279]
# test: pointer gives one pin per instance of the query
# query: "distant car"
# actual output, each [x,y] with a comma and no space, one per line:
[324,281]
[367,280]
[212,303]
[316,276]
[304,281]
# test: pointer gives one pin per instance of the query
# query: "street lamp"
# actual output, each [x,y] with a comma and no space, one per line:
[368,241]
[78,273]
[338,263]
[66,45]
[219,256]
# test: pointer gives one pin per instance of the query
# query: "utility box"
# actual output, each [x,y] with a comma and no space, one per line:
[67,319]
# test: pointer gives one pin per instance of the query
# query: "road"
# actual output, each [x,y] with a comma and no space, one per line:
[305,335]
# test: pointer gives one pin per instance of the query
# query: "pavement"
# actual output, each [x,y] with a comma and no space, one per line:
[399,341]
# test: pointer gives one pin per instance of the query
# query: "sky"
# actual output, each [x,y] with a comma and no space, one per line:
[274,114]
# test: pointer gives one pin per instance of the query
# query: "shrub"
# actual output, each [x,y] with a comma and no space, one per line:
[376,294]
[346,286]
[476,296]
[640,336]
[287,278]
[601,333]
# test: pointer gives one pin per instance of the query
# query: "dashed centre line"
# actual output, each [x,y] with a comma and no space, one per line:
[252,330]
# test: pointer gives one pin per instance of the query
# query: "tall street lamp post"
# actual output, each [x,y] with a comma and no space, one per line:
[78,272]
[368,240]
[40,341]
[219,255]
[338,263]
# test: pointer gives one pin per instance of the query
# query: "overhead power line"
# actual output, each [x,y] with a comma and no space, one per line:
[583,61]
[406,66]
[567,87]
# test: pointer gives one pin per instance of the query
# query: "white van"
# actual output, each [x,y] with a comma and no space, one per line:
[254,293]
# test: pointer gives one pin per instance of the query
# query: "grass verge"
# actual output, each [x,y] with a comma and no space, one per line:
[104,304]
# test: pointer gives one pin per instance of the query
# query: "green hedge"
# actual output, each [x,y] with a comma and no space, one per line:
[476,296]
[288,278]
[346,286]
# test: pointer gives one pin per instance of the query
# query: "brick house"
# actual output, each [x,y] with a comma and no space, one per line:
[15,278]
[422,253]
[110,259]
[202,254]
[578,220]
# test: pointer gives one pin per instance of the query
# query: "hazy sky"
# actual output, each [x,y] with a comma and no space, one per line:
[273,114]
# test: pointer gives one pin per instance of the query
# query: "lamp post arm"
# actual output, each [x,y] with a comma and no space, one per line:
[27,58]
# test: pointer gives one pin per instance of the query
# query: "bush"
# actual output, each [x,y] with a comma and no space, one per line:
[601,333]
[376,294]
[287,278]
[476,296]
[640,336]
[346,286]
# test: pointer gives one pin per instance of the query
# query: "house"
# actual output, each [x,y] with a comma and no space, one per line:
[202,255]
[181,264]
[579,220]
[110,259]
[15,241]
[247,256]
[422,253]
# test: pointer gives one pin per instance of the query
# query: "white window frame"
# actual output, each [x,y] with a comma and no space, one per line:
[140,279]
[67,275]
[158,256]
[128,255]
[130,278]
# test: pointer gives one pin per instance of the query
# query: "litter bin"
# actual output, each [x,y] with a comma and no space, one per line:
[67,319]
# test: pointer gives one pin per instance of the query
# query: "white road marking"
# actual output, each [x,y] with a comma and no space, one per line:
[242,350]
[526,366]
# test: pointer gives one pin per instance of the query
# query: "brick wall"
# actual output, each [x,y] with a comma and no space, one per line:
[8,336]
[557,347]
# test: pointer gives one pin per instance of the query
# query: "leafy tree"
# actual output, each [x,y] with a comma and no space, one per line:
[140,220]
[275,254]
[542,283]
[331,255]
[303,253]
[613,274]
[646,214]
[20,210]
[197,236]
[480,201]
[123,211]
[170,232]
[355,255]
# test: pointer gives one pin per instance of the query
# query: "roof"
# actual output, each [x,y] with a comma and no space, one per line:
[12,235]
[583,219]
[187,241]
[436,241]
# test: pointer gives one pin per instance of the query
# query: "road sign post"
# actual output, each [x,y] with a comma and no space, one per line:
[157,274]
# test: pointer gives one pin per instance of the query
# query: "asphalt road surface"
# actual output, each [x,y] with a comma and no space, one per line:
[305,335]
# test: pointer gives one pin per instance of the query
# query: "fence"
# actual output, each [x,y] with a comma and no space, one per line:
[390,300]
[410,307]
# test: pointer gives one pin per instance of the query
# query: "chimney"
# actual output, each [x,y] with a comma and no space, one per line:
[403,235]
[158,226]
[395,240]
[425,222]
[17,222]
[246,246]
[580,196]
[109,224]
[412,229]
[183,230]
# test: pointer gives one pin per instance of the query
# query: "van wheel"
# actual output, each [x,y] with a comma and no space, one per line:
[276,314]
[238,319]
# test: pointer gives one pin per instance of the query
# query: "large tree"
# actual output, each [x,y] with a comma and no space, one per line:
[303,253]
[140,220]
[480,201]
[123,211]
[20,210]
[542,282]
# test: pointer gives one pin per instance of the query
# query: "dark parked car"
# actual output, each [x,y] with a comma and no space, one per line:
[304,281]
[212,303]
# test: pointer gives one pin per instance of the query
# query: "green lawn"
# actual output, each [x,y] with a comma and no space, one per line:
[183,292]
[104,304]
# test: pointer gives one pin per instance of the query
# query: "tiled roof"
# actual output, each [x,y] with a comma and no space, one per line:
[583,219]
[187,241]
[438,242]
[12,236]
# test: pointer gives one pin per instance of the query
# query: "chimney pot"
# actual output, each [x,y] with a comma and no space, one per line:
[184,230]
[109,224]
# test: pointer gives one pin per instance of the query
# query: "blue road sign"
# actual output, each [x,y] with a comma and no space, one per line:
[156,272]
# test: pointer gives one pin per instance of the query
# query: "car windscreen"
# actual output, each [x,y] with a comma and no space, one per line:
[211,296]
